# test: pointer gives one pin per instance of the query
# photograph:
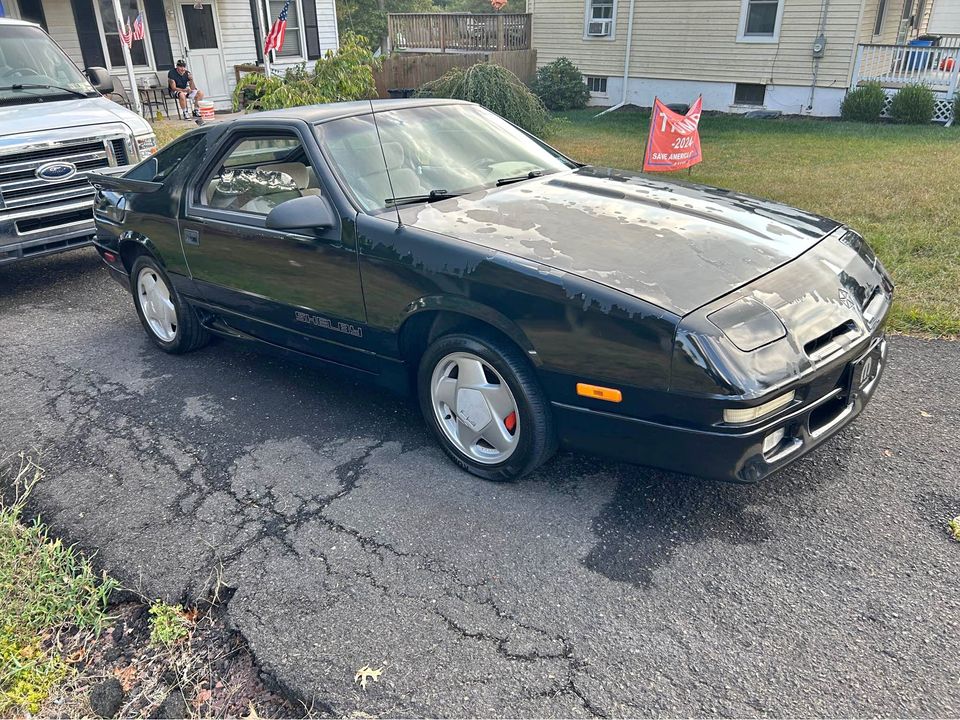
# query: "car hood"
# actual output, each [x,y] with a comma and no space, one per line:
[675,245]
[63,114]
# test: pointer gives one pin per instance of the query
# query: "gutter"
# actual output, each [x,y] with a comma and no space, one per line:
[626,64]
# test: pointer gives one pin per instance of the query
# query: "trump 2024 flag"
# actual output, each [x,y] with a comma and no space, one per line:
[674,141]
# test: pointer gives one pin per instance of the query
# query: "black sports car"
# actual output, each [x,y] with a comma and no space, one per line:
[527,300]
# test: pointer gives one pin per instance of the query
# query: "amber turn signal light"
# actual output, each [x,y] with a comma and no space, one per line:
[599,393]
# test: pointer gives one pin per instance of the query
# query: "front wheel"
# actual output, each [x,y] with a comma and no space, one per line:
[484,404]
[171,323]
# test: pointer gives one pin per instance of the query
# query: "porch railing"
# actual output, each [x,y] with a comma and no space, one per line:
[894,66]
[458,32]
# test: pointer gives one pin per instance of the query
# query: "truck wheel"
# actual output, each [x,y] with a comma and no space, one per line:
[482,400]
[171,323]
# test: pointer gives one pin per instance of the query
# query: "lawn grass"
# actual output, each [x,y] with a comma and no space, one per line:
[46,588]
[897,185]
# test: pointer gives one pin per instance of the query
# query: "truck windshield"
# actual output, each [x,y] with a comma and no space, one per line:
[33,68]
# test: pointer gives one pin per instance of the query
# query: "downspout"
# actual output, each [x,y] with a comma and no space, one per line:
[626,64]
[821,33]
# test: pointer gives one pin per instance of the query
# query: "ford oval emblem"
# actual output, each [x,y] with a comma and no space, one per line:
[57,170]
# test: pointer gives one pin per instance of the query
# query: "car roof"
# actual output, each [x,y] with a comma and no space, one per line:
[14,21]
[333,111]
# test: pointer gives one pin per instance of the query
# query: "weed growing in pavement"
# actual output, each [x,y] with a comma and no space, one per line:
[46,590]
[954,527]
[169,624]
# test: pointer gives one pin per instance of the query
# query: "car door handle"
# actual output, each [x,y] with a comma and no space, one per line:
[191,237]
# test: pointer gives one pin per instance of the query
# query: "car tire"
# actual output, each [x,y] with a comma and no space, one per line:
[170,322]
[485,412]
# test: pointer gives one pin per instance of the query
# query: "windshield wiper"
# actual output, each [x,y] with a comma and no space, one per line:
[432,196]
[529,176]
[38,86]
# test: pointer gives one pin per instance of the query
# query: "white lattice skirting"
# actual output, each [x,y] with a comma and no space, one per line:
[942,110]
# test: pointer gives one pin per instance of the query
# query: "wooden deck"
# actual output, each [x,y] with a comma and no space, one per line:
[458,32]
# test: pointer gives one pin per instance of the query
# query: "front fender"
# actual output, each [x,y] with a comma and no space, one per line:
[459,305]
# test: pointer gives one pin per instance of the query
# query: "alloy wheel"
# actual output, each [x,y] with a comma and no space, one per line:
[475,408]
[157,305]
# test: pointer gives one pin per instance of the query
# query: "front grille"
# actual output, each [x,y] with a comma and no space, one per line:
[53,153]
[45,222]
[20,188]
[119,151]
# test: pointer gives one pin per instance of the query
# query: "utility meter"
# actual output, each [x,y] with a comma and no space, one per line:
[819,45]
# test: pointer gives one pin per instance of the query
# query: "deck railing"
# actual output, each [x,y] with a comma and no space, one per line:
[894,66]
[458,32]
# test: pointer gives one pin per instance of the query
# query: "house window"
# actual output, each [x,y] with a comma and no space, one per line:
[597,85]
[292,47]
[760,20]
[600,18]
[111,33]
[881,16]
[749,94]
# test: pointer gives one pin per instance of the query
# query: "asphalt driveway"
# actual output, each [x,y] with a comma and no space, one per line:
[343,538]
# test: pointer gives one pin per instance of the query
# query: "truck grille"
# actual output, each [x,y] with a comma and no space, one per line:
[21,189]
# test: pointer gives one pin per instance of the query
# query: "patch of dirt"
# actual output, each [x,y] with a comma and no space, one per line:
[210,673]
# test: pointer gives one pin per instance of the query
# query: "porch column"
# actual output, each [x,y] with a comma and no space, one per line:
[134,91]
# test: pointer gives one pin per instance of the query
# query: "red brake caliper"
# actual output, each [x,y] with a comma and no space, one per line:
[510,422]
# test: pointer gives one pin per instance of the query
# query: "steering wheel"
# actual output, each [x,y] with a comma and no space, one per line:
[483,163]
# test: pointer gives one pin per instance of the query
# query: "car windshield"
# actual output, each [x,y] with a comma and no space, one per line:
[33,68]
[433,152]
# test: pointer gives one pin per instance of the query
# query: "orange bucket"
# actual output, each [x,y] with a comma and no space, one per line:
[206,109]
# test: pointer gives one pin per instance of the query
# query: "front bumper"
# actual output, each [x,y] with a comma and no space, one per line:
[732,454]
[49,228]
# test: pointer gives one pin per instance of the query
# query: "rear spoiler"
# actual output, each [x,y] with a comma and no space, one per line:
[119,183]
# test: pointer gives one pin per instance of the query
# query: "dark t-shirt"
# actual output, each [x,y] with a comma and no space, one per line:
[181,81]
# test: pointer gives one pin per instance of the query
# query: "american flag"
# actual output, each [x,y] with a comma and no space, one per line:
[138,28]
[274,39]
[126,34]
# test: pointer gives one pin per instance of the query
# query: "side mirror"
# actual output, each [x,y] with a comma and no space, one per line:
[310,212]
[101,79]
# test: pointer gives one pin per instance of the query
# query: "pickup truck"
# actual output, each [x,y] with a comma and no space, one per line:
[55,127]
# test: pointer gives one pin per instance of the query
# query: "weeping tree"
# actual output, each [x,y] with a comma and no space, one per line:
[497,89]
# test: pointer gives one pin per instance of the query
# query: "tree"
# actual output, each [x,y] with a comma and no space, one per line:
[368,18]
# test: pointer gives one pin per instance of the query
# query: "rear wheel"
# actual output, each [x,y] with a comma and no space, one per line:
[482,400]
[171,323]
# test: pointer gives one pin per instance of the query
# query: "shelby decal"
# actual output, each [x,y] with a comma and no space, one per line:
[329,324]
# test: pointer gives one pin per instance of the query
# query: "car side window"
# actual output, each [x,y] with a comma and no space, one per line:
[167,159]
[258,173]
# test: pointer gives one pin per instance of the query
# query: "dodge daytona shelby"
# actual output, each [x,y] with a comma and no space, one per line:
[529,301]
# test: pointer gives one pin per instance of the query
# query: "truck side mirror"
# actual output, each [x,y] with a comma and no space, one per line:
[101,79]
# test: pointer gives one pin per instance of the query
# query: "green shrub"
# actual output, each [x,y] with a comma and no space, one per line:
[560,86]
[913,104]
[346,74]
[497,89]
[864,104]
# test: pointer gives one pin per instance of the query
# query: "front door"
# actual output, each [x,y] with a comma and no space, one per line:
[202,48]
[297,289]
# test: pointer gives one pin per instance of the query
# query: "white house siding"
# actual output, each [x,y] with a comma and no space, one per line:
[60,25]
[890,28]
[944,17]
[694,42]
[236,35]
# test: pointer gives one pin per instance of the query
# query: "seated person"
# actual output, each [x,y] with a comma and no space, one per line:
[180,85]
